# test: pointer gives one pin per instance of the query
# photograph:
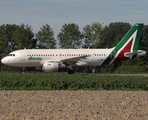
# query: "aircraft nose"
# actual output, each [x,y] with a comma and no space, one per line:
[4,61]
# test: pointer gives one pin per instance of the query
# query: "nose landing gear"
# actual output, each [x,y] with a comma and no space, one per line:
[23,70]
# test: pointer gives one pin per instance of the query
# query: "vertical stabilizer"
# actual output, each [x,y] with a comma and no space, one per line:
[128,44]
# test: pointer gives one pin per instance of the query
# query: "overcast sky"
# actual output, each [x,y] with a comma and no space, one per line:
[82,12]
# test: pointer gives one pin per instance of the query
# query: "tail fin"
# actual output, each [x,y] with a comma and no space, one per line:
[128,45]
[133,37]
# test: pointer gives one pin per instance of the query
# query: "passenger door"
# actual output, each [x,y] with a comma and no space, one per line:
[23,56]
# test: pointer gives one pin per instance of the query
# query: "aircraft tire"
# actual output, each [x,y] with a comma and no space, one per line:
[71,71]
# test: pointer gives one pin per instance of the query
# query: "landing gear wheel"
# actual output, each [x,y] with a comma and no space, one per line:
[71,71]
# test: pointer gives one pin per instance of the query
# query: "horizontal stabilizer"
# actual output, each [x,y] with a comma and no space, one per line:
[139,53]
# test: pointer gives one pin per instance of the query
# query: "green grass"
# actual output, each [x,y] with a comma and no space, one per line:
[64,81]
[131,69]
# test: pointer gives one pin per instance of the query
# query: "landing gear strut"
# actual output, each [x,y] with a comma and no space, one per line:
[94,69]
[23,70]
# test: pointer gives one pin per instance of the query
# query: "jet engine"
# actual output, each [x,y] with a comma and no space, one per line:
[50,67]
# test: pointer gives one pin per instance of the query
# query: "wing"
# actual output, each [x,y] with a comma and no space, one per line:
[74,60]
[67,61]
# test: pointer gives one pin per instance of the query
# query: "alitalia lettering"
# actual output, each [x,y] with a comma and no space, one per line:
[34,58]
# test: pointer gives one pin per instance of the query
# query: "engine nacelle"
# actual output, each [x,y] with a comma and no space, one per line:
[50,67]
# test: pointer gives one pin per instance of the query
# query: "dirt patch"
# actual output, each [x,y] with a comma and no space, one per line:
[73,105]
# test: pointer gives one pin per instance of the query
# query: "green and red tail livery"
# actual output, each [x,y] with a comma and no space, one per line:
[127,48]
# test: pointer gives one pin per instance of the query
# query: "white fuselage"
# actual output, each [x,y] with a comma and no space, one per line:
[36,57]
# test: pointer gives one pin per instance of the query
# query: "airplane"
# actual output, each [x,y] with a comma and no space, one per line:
[51,60]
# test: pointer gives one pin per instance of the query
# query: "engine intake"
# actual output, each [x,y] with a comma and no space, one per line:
[50,67]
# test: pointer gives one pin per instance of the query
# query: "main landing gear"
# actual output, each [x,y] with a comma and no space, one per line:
[71,71]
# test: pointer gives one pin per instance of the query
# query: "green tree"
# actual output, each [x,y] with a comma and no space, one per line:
[3,44]
[18,37]
[92,34]
[70,36]
[112,34]
[23,37]
[9,30]
[45,37]
[13,37]
[144,41]
[6,41]
[3,41]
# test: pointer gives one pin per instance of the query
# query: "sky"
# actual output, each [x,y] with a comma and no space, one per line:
[56,13]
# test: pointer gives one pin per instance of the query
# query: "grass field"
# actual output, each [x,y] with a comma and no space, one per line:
[78,81]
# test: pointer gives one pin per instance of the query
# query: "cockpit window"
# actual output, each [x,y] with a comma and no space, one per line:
[12,55]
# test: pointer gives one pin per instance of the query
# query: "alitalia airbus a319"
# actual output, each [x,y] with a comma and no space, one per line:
[52,59]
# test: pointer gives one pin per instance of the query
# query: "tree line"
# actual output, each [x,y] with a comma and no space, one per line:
[95,35]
